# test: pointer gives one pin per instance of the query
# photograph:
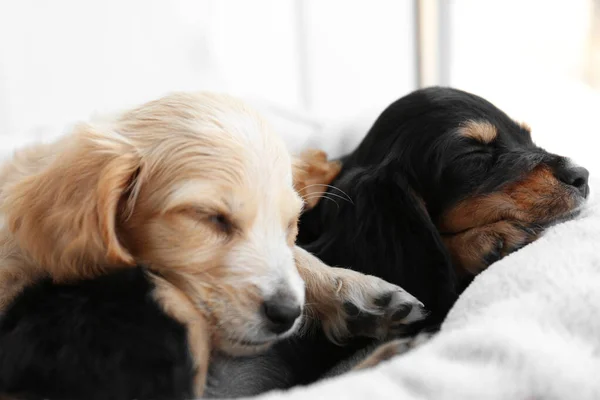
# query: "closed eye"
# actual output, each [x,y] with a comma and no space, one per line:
[473,154]
[478,153]
[222,223]
[219,221]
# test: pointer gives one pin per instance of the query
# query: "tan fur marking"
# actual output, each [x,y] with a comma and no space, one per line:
[477,223]
[525,126]
[312,171]
[469,249]
[482,131]
[536,198]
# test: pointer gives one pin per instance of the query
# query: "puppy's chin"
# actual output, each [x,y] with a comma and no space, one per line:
[539,225]
[237,342]
[542,226]
[243,349]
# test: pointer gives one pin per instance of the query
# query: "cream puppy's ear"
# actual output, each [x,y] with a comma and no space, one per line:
[64,216]
[312,173]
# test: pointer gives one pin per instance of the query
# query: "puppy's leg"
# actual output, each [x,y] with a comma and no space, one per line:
[176,304]
[475,249]
[391,349]
[348,303]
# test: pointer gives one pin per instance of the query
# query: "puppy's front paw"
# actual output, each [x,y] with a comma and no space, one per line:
[367,306]
[476,249]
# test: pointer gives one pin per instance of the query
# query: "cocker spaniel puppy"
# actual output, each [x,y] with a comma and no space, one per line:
[443,185]
[134,250]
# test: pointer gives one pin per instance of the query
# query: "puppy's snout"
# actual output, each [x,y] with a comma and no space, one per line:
[574,176]
[281,312]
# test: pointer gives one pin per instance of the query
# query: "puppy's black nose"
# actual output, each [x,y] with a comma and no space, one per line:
[576,177]
[281,313]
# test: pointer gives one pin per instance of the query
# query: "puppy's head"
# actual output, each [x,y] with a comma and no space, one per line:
[472,165]
[196,187]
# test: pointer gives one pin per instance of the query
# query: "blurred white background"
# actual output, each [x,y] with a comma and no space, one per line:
[323,69]
[537,60]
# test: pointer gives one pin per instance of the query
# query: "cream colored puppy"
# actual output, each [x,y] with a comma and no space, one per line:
[197,188]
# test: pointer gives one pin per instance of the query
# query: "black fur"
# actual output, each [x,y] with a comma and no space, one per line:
[100,339]
[411,168]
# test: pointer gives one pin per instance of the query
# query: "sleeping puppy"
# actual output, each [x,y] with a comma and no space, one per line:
[134,250]
[443,185]
[446,178]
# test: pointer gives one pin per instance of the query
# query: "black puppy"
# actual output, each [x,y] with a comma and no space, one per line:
[443,185]
[107,333]
[441,172]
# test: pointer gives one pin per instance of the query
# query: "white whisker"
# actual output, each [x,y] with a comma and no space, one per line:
[332,187]
[321,197]
[325,194]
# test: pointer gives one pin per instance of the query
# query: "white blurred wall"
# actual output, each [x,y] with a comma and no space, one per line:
[332,60]
[63,60]
[529,58]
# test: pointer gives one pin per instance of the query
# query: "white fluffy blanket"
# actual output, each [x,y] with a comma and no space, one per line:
[527,328]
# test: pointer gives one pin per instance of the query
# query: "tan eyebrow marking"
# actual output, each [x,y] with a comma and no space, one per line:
[525,126]
[482,131]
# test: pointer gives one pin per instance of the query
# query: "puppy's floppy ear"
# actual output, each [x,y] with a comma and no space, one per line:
[65,216]
[385,232]
[312,171]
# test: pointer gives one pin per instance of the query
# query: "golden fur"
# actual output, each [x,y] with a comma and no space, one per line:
[147,189]
[312,173]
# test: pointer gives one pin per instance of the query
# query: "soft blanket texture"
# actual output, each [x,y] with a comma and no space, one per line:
[527,328]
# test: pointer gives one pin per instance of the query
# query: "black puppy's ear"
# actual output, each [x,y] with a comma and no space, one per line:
[384,230]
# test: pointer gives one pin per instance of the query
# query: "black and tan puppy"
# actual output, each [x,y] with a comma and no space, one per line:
[443,185]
